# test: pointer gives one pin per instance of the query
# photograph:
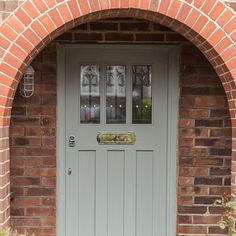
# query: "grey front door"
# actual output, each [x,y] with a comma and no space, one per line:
[116,189]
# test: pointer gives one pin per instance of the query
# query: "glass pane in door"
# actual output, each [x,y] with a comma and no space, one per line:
[142,94]
[90,94]
[115,94]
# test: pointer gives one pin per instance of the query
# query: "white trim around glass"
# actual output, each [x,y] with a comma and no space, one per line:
[118,189]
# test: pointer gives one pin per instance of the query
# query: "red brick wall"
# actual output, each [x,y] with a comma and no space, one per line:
[204,145]
[204,132]
[8,6]
[33,161]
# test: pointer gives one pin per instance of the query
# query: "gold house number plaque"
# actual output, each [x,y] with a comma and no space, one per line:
[117,138]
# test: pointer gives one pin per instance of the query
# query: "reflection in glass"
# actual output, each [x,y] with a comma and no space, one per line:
[89,94]
[142,94]
[115,95]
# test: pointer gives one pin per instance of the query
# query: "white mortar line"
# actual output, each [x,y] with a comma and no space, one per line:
[212,8]
[68,8]
[6,221]
[179,9]
[77,3]
[60,17]
[26,28]
[89,5]
[222,13]
[214,22]
[7,173]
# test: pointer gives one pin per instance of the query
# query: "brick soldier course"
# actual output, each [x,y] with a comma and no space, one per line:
[206,29]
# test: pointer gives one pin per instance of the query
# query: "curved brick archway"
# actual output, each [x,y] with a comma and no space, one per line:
[209,25]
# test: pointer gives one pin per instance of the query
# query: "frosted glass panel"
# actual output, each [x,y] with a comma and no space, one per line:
[116,94]
[142,94]
[90,94]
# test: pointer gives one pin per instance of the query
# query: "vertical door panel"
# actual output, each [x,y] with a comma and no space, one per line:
[101,193]
[86,199]
[144,222]
[130,193]
[115,193]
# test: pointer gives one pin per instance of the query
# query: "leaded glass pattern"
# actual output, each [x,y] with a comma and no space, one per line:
[115,94]
[90,94]
[141,94]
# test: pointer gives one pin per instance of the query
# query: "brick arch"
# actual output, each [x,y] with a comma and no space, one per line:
[209,25]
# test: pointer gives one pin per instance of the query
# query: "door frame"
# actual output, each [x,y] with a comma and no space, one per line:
[173,98]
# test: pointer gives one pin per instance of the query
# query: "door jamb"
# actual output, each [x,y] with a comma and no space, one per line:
[60,143]
[173,98]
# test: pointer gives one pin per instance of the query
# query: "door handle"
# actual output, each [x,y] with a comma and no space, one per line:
[69,171]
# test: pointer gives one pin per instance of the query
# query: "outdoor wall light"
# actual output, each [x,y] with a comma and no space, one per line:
[27,83]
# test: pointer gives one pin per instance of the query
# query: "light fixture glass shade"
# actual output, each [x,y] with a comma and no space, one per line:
[27,83]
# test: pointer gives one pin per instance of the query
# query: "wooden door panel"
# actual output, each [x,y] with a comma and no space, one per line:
[115,201]
[86,189]
[144,193]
